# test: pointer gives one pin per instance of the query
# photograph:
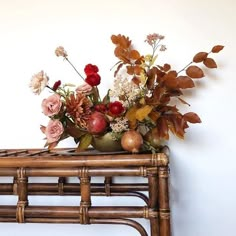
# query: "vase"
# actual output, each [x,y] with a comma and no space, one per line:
[106,143]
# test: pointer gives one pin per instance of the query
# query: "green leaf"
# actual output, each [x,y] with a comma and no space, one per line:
[85,141]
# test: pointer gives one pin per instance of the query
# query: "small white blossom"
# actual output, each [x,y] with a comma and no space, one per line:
[127,89]
[119,125]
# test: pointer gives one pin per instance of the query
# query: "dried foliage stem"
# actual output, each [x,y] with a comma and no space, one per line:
[74,68]
[185,67]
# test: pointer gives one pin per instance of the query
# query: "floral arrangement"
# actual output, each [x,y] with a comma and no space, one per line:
[139,111]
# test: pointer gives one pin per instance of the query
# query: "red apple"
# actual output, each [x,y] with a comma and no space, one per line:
[97,123]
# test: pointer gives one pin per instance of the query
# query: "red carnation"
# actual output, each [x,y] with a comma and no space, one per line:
[116,108]
[90,69]
[93,79]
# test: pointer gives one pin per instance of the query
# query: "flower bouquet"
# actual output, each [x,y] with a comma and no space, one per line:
[138,112]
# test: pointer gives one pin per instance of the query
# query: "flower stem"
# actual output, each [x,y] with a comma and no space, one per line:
[74,68]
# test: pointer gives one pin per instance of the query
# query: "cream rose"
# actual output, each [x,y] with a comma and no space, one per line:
[38,82]
[53,131]
[51,105]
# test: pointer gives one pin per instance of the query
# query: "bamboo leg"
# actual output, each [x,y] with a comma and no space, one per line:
[22,191]
[164,209]
[85,202]
[153,202]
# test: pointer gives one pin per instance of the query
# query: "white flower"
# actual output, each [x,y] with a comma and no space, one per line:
[38,82]
[120,124]
[127,89]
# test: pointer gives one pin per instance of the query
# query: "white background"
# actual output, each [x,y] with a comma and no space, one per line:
[202,186]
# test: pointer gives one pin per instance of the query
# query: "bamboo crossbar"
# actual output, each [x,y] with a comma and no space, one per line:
[23,164]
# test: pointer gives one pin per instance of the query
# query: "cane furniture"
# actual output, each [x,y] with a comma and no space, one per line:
[23,164]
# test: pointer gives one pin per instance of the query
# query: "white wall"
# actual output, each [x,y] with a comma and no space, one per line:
[202,167]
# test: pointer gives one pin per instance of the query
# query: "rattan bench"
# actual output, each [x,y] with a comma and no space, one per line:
[64,163]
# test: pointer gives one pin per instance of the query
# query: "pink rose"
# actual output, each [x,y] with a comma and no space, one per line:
[85,89]
[53,131]
[51,105]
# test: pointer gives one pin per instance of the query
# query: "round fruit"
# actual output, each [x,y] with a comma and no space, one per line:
[152,137]
[97,123]
[132,141]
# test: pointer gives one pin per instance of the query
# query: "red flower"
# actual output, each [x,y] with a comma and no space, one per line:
[93,79]
[90,69]
[116,108]
[56,85]
[100,107]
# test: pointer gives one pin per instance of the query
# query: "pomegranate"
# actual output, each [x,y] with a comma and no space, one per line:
[152,136]
[131,141]
[97,123]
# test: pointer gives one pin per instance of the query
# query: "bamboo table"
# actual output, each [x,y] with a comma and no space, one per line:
[63,163]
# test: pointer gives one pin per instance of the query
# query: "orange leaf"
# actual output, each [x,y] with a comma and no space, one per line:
[210,63]
[217,48]
[194,72]
[199,57]
[114,39]
[154,115]
[192,117]
[131,114]
[134,54]
[185,82]
[143,112]
[121,40]
[130,70]
[138,70]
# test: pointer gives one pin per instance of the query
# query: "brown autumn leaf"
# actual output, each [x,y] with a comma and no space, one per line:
[118,69]
[121,54]
[217,48]
[138,69]
[185,82]
[166,67]
[177,125]
[210,63]
[140,60]
[134,54]
[194,72]
[199,57]
[121,40]
[163,128]
[154,115]
[192,117]
[136,80]
[114,39]
[130,70]
[170,79]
